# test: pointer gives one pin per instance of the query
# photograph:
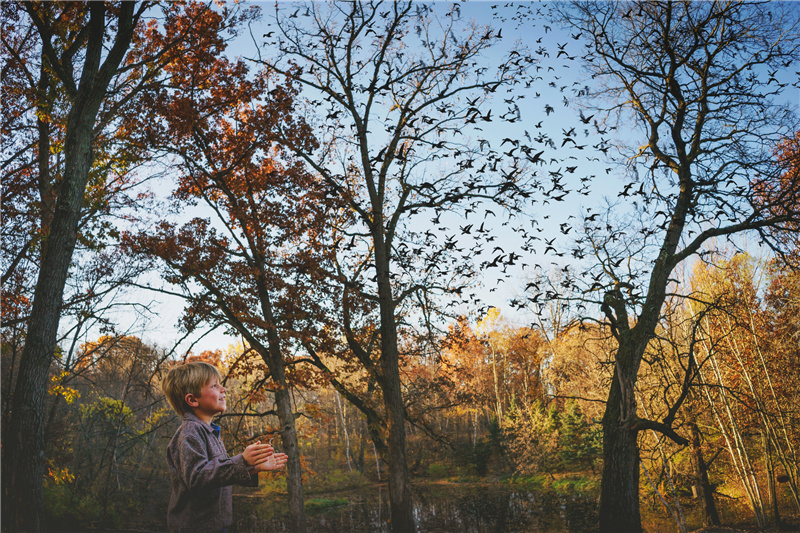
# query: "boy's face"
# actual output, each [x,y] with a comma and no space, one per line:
[210,402]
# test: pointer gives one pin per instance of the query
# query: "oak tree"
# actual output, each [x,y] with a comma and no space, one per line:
[251,257]
[699,86]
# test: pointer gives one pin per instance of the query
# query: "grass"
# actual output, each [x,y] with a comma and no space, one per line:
[319,504]
[580,484]
[451,474]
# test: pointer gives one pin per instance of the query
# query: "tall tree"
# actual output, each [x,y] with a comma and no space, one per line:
[700,81]
[253,265]
[23,455]
[402,85]
[33,124]
[94,60]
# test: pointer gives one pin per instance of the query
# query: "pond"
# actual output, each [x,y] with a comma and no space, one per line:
[461,508]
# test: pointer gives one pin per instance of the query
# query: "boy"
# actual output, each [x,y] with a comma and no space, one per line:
[201,473]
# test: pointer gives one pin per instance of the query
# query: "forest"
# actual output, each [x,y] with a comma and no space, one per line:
[475,266]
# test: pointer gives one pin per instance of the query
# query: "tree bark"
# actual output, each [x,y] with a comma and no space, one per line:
[25,459]
[399,483]
[24,454]
[346,433]
[362,447]
[619,490]
[294,473]
[401,503]
[25,437]
[771,488]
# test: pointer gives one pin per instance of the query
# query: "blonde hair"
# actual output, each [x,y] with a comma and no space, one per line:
[186,379]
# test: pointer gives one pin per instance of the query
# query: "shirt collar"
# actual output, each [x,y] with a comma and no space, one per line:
[212,428]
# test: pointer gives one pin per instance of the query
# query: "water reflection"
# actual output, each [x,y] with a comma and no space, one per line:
[437,509]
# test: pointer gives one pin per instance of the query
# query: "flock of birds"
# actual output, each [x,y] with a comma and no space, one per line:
[536,166]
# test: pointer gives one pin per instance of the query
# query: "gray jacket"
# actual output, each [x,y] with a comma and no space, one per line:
[201,475]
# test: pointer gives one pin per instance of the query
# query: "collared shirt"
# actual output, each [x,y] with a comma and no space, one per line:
[201,475]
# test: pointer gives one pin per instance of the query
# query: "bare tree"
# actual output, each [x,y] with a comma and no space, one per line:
[400,87]
[700,86]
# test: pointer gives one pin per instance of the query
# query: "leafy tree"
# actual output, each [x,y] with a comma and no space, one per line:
[497,363]
[108,436]
[779,338]
[575,369]
[787,242]
[748,363]
[23,453]
[90,64]
[698,82]
[513,356]
[531,434]
[254,266]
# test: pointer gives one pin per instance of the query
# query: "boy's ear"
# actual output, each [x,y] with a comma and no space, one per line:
[190,400]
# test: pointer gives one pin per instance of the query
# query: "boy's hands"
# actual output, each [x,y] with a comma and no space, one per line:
[257,453]
[262,457]
[276,461]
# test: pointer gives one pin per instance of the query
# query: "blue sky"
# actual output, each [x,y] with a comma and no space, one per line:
[550,107]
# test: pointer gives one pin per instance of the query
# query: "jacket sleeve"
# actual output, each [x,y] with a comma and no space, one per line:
[202,464]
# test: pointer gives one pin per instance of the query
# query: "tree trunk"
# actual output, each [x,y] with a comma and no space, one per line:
[283,401]
[704,489]
[498,406]
[619,489]
[619,496]
[294,473]
[402,510]
[399,483]
[772,490]
[377,460]
[363,445]
[402,517]
[734,440]
[346,433]
[23,450]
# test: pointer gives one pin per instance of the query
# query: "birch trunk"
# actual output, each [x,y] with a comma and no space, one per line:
[735,442]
